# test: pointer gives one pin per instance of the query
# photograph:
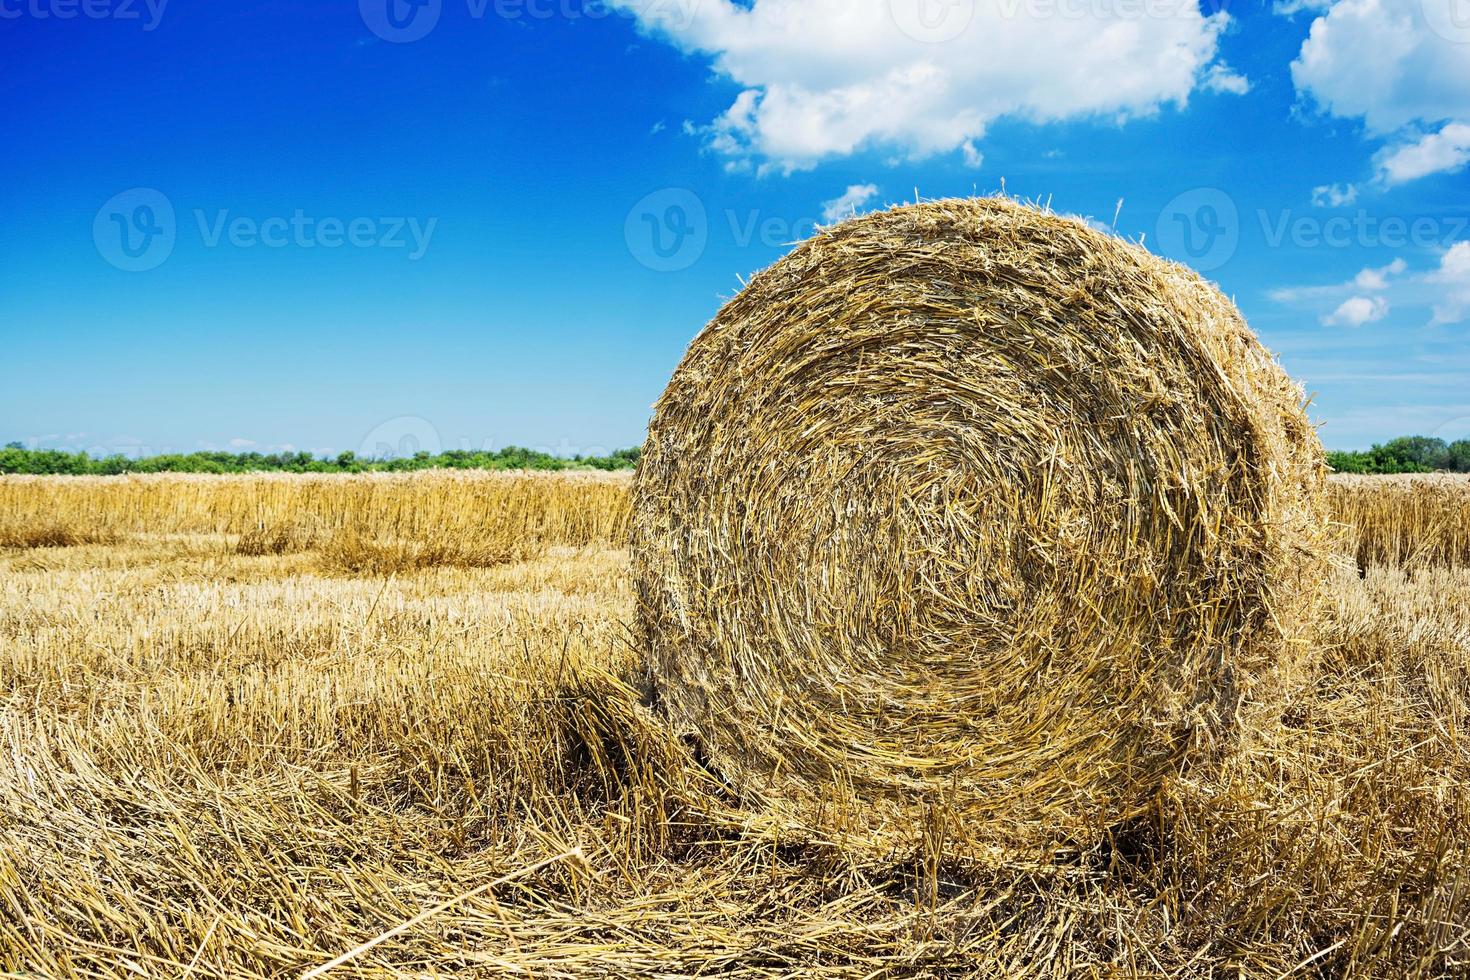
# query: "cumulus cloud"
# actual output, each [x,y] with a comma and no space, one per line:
[815,85]
[1357,311]
[1222,78]
[848,202]
[1402,68]
[1334,195]
[1369,295]
[1443,152]
[1382,61]
[1368,279]
[1453,280]
[1377,279]
[239,443]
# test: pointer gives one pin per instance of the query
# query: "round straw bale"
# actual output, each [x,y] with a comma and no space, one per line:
[966,505]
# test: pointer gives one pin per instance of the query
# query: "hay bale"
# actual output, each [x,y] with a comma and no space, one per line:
[964,505]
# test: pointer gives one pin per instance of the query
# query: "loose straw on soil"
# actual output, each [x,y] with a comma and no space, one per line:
[966,509]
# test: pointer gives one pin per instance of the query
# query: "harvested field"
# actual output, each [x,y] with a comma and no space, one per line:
[227,761]
[1414,521]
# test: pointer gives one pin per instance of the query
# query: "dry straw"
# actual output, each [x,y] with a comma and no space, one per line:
[967,509]
[1418,522]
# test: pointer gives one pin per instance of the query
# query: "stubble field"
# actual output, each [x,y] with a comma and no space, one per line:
[249,726]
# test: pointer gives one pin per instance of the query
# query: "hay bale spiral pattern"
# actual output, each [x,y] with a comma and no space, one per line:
[964,504]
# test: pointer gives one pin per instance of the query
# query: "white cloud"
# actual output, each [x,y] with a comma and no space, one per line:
[1369,295]
[1222,78]
[1287,8]
[1357,311]
[846,205]
[1334,195]
[1445,151]
[1308,294]
[657,128]
[1395,66]
[1377,279]
[827,78]
[238,443]
[1367,280]
[1382,61]
[1453,280]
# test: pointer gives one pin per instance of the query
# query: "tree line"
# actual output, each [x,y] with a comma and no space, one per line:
[16,458]
[1408,454]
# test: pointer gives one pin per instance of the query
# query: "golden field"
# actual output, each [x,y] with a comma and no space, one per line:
[249,725]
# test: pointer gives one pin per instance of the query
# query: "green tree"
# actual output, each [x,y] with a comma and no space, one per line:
[1457,456]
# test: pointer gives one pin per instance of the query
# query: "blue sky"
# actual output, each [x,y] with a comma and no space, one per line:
[469,223]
